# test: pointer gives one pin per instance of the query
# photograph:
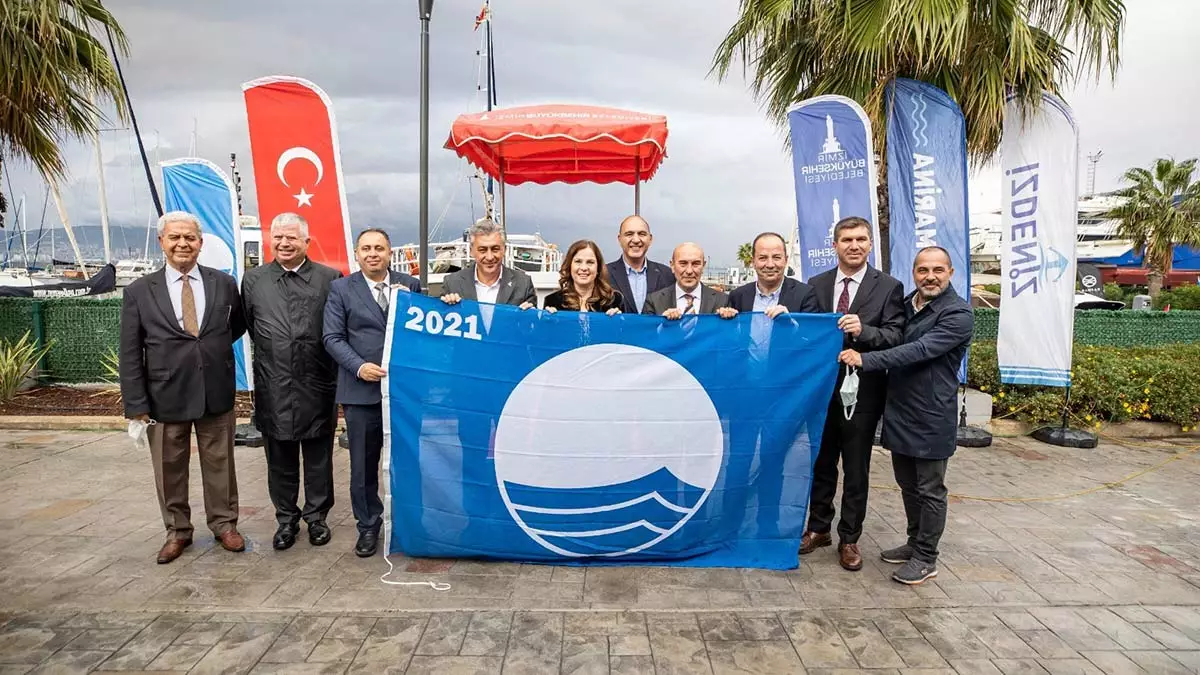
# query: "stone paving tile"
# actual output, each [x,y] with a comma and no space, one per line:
[1113,663]
[758,656]
[1157,662]
[1019,666]
[817,640]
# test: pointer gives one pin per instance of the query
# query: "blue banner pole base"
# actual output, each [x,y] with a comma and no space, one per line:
[344,441]
[248,434]
[1065,437]
[973,437]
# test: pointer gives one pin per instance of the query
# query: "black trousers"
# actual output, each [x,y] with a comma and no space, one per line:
[923,487]
[364,426]
[850,441]
[283,478]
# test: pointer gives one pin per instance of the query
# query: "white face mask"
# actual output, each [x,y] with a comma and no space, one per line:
[849,392]
[137,433]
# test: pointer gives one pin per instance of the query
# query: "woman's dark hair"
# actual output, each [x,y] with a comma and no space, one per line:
[602,290]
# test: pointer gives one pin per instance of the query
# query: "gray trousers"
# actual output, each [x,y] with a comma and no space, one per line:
[923,487]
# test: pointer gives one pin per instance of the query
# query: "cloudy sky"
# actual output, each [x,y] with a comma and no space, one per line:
[726,176]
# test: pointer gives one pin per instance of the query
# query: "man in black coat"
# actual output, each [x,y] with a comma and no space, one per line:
[920,422]
[178,326]
[355,328]
[872,305]
[772,292]
[294,379]
[687,295]
[634,274]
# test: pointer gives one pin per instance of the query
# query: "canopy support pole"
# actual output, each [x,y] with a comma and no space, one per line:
[637,186]
[503,204]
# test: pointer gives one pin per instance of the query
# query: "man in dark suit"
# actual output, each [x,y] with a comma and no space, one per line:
[178,326]
[872,305]
[294,379]
[635,275]
[920,422]
[772,293]
[355,326]
[687,295]
[489,280]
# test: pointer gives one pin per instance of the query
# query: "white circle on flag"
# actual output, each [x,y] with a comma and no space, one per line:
[599,417]
[215,253]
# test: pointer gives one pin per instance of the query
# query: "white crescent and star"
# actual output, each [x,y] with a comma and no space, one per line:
[304,198]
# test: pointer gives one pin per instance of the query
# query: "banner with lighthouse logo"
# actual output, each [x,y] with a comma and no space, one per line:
[573,437]
[834,166]
[297,164]
[202,189]
[1039,159]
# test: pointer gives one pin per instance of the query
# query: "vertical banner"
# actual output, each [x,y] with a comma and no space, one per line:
[297,164]
[1039,157]
[202,189]
[834,166]
[927,182]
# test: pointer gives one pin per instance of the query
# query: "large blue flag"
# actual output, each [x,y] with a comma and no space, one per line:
[568,437]
[927,182]
[834,166]
[202,189]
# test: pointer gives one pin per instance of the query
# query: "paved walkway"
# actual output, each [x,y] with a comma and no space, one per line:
[1106,582]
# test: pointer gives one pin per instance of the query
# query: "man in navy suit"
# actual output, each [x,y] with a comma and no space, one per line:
[772,293]
[355,326]
[635,275]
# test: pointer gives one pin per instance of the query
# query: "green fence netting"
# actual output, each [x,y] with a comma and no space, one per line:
[82,332]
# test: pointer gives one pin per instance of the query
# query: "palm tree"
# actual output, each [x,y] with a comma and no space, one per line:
[1161,210]
[55,77]
[975,50]
[745,254]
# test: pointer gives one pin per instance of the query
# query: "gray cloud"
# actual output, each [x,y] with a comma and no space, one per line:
[726,176]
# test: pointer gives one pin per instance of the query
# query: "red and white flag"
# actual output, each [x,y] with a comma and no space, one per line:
[297,164]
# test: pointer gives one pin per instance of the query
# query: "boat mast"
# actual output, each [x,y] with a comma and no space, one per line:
[103,193]
[62,214]
[133,121]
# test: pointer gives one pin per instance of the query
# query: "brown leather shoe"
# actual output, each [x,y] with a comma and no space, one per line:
[232,541]
[812,541]
[849,557]
[172,549]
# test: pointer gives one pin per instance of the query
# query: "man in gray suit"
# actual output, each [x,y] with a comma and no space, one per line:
[687,295]
[488,280]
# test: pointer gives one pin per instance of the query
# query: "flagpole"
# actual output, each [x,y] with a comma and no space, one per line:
[425,11]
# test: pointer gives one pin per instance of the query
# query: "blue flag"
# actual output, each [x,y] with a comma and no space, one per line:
[834,166]
[571,437]
[927,182]
[200,188]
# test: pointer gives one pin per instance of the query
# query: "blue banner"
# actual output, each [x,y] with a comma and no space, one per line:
[202,189]
[834,166]
[569,437]
[927,182]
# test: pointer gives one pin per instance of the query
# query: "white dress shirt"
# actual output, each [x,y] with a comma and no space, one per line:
[486,292]
[293,269]
[681,302]
[855,282]
[175,290]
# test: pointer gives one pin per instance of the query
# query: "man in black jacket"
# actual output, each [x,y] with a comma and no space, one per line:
[634,274]
[178,326]
[872,305]
[919,424]
[772,292]
[295,379]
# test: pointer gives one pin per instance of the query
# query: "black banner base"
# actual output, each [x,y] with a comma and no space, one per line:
[344,441]
[1065,437]
[973,437]
[247,435]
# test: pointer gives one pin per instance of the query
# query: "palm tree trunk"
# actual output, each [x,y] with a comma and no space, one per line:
[884,215]
[1154,282]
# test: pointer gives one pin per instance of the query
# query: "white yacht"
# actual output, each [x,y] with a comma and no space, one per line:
[1096,234]
[21,278]
[129,271]
[528,252]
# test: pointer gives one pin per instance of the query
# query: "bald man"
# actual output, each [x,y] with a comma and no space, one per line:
[687,295]
[634,274]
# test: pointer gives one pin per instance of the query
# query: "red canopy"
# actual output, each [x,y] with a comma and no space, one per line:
[562,144]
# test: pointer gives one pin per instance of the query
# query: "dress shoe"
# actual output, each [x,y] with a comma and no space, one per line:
[849,557]
[812,541]
[172,549]
[232,541]
[285,536]
[319,533]
[367,543]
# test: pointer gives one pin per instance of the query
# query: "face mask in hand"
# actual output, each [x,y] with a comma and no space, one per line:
[137,433]
[849,392]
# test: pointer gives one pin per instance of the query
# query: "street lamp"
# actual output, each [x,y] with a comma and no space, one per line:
[425,10]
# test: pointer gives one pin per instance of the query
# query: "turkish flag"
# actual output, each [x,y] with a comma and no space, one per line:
[297,164]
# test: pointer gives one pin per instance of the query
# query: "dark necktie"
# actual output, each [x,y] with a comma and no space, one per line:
[843,305]
[381,295]
[690,303]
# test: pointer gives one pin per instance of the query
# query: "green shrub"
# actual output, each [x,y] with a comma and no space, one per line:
[1123,293]
[1109,384]
[992,288]
[1183,297]
[18,358]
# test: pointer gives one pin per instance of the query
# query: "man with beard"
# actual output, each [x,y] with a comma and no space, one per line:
[634,274]
[356,316]
[919,423]
[294,379]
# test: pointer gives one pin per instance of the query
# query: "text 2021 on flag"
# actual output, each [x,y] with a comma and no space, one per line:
[525,435]
[1039,159]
